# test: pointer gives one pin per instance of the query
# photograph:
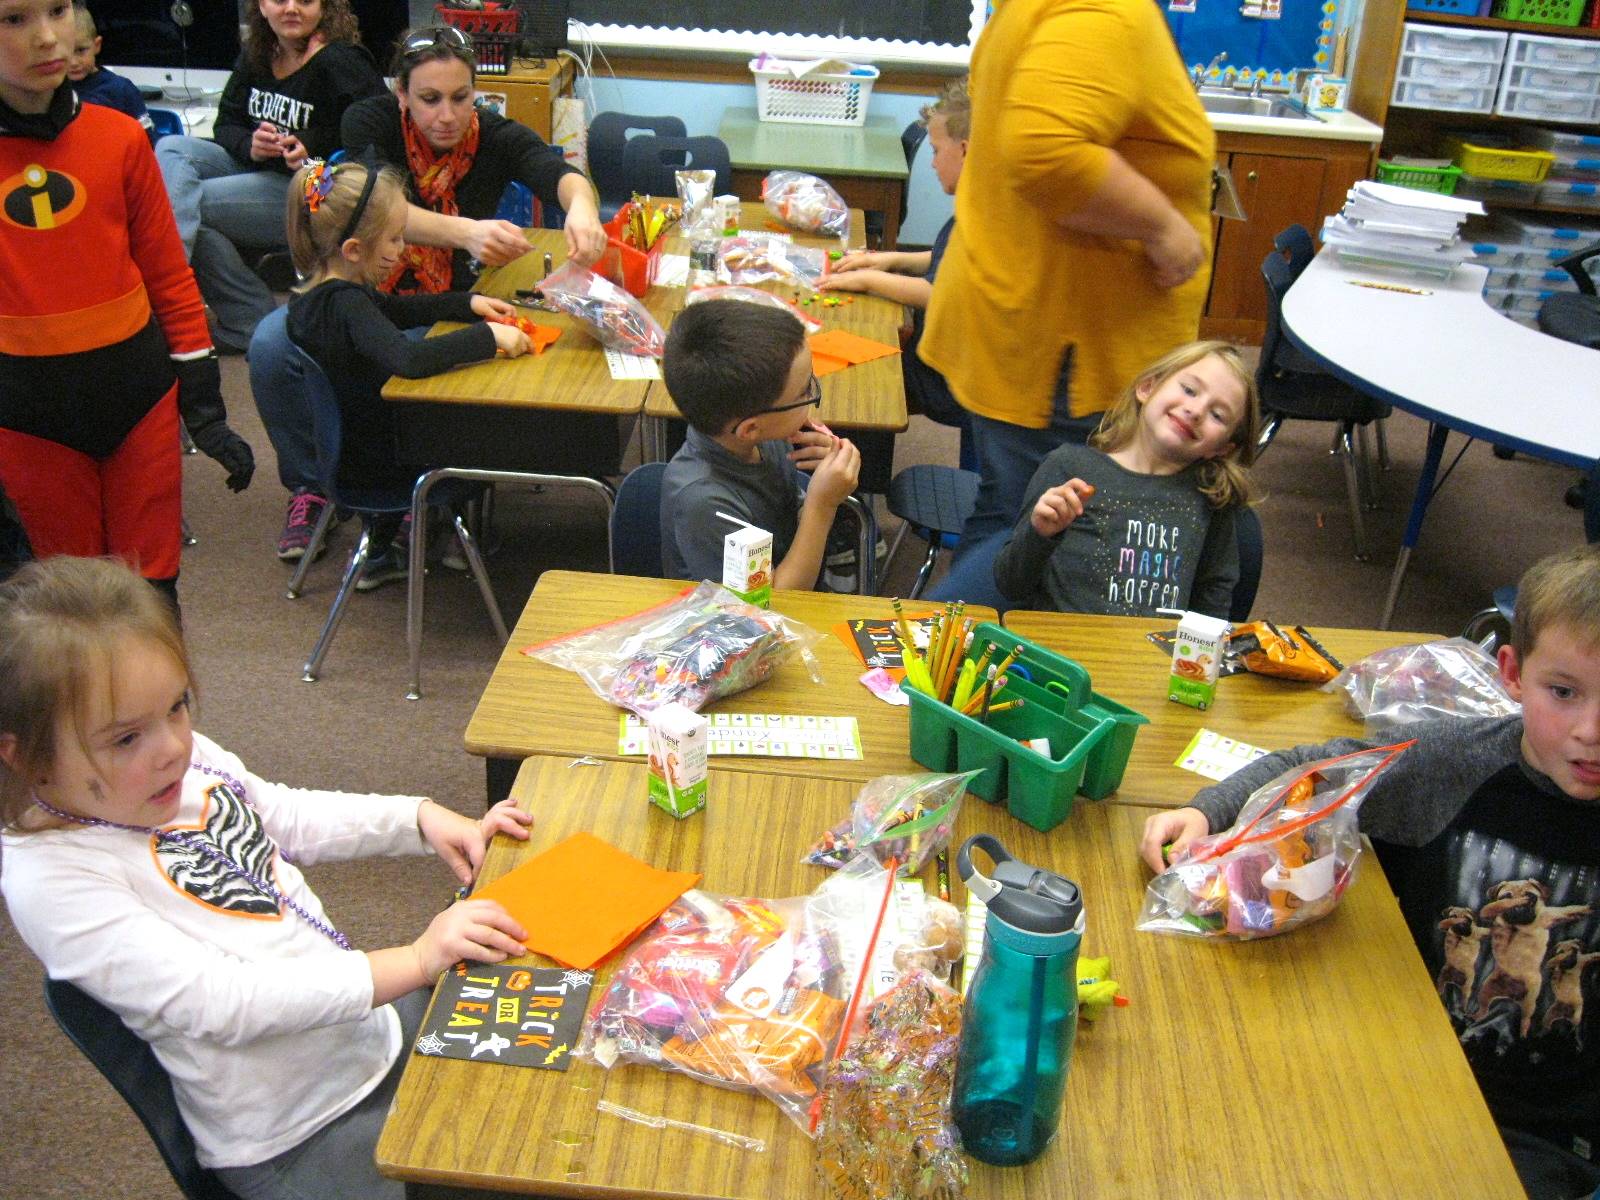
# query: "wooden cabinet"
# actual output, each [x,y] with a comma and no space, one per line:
[1282,181]
[529,88]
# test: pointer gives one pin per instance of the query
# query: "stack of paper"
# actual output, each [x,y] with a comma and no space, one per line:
[1385,225]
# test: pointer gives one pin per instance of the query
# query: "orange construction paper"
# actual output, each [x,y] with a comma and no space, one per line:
[852,348]
[540,335]
[826,364]
[583,898]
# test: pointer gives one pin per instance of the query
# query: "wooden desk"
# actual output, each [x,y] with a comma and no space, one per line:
[1272,713]
[1313,1066]
[866,164]
[531,707]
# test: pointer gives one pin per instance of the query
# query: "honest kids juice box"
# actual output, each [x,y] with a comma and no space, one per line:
[678,743]
[1196,659]
[747,565]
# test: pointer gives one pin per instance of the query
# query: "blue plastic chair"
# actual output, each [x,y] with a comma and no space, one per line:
[636,522]
[130,1066]
[165,121]
[935,501]
[609,133]
[1247,534]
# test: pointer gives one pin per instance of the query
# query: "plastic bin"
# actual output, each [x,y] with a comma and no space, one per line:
[1460,8]
[1090,736]
[1456,72]
[629,268]
[474,21]
[1441,97]
[1539,12]
[815,99]
[1424,179]
[1541,51]
[1463,45]
[1499,162]
[1547,106]
[1570,194]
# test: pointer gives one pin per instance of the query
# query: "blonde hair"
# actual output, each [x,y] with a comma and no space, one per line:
[1224,480]
[955,106]
[1560,589]
[85,19]
[315,237]
[61,620]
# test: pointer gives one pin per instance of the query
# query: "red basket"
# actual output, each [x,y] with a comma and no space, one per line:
[631,269]
[497,19]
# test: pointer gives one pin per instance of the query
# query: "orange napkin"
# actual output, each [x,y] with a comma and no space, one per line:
[583,898]
[540,335]
[835,349]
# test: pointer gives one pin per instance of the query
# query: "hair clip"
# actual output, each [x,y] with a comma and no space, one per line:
[318,182]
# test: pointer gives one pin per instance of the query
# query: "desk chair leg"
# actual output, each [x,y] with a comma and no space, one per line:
[319,535]
[469,547]
[358,560]
[894,548]
[1269,430]
[185,534]
[866,546]
[1381,425]
[1369,490]
[1346,449]
[926,570]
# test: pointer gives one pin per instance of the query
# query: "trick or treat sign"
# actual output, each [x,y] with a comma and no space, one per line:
[523,1016]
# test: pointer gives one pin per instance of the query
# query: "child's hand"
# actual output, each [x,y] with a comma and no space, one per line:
[509,340]
[266,142]
[507,818]
[495,243]
[1060,507]
[459,841]
[854,281]
[476,930]
[293,151]
[861,260]
[489,308]
[835,476]
[1179,826]
[811,445]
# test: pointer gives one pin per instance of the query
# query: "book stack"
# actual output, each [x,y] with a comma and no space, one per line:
[1388,226]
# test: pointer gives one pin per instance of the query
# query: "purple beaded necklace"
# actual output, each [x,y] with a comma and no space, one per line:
[184,838]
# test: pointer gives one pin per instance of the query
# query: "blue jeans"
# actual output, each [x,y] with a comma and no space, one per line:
[221,204]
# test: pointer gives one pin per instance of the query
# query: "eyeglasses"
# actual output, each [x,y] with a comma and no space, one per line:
[423,40]
[813,396]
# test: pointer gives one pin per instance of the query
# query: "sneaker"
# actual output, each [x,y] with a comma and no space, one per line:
[388,567]
[299,523]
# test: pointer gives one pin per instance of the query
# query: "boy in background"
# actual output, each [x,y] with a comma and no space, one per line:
[1489,831]
[97,85]
[741,375]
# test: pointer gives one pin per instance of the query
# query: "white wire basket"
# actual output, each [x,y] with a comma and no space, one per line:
[814,99]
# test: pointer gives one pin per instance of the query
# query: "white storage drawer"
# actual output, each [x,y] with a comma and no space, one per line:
[1536,50]
[1463,45]
[1448,70]
[1547,106]
[1583,145]
[1570,195]
[1453,72]
[1552,79]
[1442,97]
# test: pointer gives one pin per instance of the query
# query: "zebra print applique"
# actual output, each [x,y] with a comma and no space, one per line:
[233,828]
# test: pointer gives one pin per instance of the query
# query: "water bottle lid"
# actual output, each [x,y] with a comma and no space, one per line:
[1024,897]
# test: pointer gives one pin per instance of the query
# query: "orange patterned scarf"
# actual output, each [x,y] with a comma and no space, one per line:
[428,269]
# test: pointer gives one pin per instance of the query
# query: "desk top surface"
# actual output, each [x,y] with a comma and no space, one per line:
[1252,1069]
[1271,713]
[1448,357]
[872,149]
[531,707]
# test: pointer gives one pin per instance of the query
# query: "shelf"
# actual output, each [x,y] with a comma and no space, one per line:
[1423,16]
[1534,206]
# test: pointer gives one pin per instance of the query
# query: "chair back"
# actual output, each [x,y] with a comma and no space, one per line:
[1573,264]
[609,132]
[1572,317]
[1279,277]
[650,164]
[327,423]
[130,1066]
[1295,241]
[164,121]
[1247,534]
[911,139]
[636,522]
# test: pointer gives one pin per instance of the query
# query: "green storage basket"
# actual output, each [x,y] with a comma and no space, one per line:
[1540,12]
[1090,736]
[1422,179]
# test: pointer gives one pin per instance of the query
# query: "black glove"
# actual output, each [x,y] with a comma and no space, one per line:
[200,403]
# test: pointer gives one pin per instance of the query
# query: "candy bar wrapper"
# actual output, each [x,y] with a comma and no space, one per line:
[1285,651]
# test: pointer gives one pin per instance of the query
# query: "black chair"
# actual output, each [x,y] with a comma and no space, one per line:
[1247,534]
[1574,316]
[609,133]
[650,163]
[934,501]
[1288,394]
[636,522]
[130,1066]
[911,139]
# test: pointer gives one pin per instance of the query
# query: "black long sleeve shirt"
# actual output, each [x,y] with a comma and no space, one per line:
[310,103]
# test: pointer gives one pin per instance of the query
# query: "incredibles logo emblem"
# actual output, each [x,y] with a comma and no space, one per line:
[38,198]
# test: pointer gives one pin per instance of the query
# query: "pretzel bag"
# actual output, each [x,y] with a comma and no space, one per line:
[616,319]
[1285,861]
[1449,678]
[753,258]
[700,646]
[805,202]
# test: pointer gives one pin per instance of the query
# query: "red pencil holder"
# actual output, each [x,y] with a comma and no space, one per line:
[628,267]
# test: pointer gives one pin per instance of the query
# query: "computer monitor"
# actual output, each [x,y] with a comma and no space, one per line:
[147,33]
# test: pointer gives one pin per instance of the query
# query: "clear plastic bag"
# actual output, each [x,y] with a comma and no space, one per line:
[754,258]
[615,318]
[1285,861]
[703,644]
[805,202]
[904,817]
[751,295]
[1421,682]
[701,215]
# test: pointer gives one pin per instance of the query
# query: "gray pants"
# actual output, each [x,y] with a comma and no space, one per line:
[220,205]
[336,1162]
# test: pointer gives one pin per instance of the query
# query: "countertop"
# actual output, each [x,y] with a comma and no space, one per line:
[1339,127]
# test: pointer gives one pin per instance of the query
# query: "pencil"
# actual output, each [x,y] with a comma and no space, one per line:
[906,639]
[976,700]
[988,694]
[994,708]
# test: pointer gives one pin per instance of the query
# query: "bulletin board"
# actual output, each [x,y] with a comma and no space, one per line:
[1301,36]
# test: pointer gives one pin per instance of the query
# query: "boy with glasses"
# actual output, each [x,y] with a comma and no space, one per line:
[741,375]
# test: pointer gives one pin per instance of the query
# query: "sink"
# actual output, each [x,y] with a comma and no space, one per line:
[1224,101]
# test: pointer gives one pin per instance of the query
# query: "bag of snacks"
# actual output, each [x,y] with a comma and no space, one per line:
[701,216]
[904,817]
[752,295]
[1420,682]
[805,202]
[1285,861]
[1287,651]
[754,258]
[615,318]
[700,646]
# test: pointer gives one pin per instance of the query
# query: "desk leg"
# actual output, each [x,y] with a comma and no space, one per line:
[1419,509]
[652,439]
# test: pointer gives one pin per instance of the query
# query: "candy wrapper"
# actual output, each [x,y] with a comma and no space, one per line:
[904,817]
[1421,682]
[698,192]
[885,1131]
[617,320]
[1287,652]
[752,295]
[704,644]
[1286,859]
[805,202]
[753,258]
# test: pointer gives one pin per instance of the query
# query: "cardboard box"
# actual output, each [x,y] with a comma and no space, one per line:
[678,768]
[747,565]
[1196,659]
[1326,93]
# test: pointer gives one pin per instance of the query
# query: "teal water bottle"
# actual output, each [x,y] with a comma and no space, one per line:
[1022,1010]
